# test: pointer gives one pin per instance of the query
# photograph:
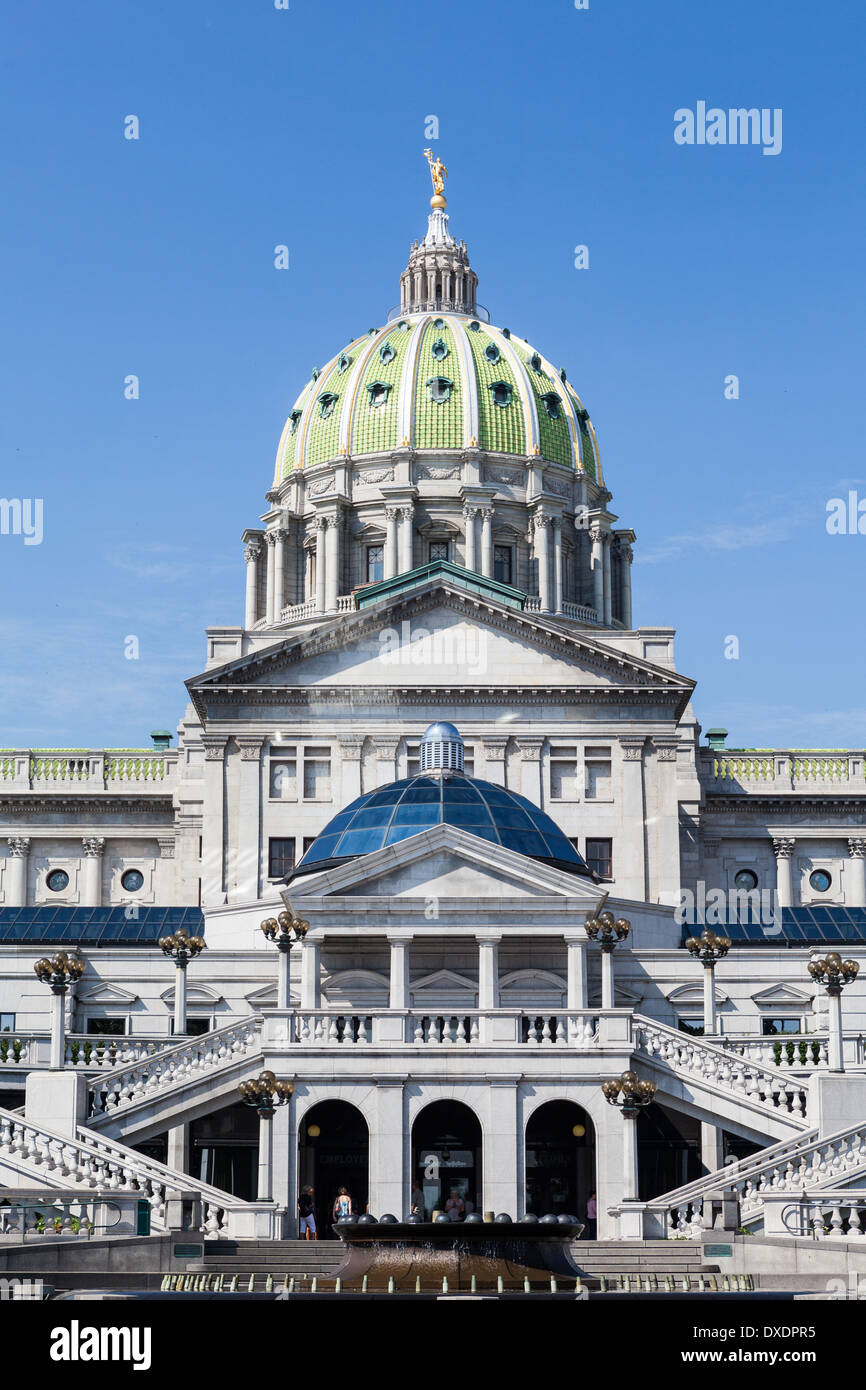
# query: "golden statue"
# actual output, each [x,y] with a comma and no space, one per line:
[438,174]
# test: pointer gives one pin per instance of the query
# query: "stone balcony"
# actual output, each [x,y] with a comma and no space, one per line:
[774,771]
[87,770]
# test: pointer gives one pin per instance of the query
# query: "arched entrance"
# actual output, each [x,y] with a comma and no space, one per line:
[333,1152]
[446,1157]
[560,1160]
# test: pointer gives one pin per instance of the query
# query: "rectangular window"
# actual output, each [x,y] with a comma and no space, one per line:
[7,1023]
[194,1027]
[106,1027]
[597,774]
[317,774]
[281,857]
[774,1027]
[283,775]
[375,563]
[692,1026]
[599,857]
[563,772]
[503,563]
[439,550]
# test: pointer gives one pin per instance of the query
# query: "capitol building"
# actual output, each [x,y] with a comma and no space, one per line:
[475,808]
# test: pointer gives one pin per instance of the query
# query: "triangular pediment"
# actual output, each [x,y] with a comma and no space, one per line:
[781,994]
[446,862]
[443,981]
[107,994]
[459,636]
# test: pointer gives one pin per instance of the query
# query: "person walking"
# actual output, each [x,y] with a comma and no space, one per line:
[307,1215]
[342,1204]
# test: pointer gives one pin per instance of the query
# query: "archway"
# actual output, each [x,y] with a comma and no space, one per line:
[446,1157]
[560,1160]
[333,1152]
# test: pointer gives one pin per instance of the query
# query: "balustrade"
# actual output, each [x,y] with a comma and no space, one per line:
[130,1084]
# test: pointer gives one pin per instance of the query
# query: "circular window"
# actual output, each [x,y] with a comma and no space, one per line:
[57,880]
[746,879]
[132,880]
[820,880]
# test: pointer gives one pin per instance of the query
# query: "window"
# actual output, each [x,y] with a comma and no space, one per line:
[57,880]
[475,326]
[387,353]
[551,404]
[294,420]
[194,1027]
[281,857]
[692,1026]
[563,772]
[106,1027]
[501,392]
[283,775]
[820,880]
[378,391]
[439,388]
[491,352]
[327,401]
[599,857]
[503,559]
[439,550]
[773,1027]
[344,363]
[317,774]
[375,563]
[7,1023]
[597,774]
[132,881]
[440,349]
[746,879]
[535,362]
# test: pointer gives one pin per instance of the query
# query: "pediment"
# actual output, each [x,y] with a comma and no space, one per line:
[694,994]
[195,994]
[107,994]
[532,986]
[463,636]
[446,862]
[443,981]
[350,986]
[782,994]
[623,997]
[266,998]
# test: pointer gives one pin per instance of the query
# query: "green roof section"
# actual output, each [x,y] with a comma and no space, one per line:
[438,424]
[422,574]
[288,443]
[554,437]
[375,426]
[501,428]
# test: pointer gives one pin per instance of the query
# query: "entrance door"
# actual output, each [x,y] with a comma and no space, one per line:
[446,1158]
[333,1152]
[560,1160]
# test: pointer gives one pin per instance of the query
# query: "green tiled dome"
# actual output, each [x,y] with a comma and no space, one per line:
[438,381]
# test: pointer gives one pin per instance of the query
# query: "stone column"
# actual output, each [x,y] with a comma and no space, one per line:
[279,574]
[500,1190]
[469,558]
[494,760]
[350,756]
[665,876]
[178,1148]
[179,998]
[630,1187]
[284,978]
[249,820]
[58,1029]
[608,991]
[407,513]
[488,972]
[388,1184]
[16,871]
[251,555]
[596,536]
[783,850]
[626,555]
[856,896]
[487,541]
[91,871]
[531,781]
[213,822]
[835,1056]
[386,760]
[392,516]
[608,587]
[542,552]
[398,997]
[271,575]
[630,863]
[575,943]
[266,1156]
[332,578]
[710,1020]
[284,1145]
[712,1147]
[311,989]
[557,564]
[321,525]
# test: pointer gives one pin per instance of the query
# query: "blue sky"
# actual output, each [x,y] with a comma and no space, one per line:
[306,127]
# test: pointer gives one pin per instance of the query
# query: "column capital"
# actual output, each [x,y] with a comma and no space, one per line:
[19,846]
[94,846]
[214,747]
[166,846]
[270,538]
[488,938]
[351,747]
[857,848]
[632,748]
[783,848]
[252,551]
[666,749]
[494,748]
[399,938]
[250,746]
[385,747]
[530,748]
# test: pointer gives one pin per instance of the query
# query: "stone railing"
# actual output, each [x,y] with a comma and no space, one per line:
[577,611]
[302,612]
[37,769]
[754,769]
[804,1052]
[187,1060]
[746,1077]
[67,1215]
[831,1214]
[84,1051]
[431,1029]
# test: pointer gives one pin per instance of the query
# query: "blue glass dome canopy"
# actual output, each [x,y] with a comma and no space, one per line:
[392,813]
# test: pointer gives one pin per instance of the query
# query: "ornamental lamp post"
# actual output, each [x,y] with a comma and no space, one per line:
[58,973]
[607,930]
[181,947]
[284,930]
[264,1095]
[709,948]
[630,1095]
[834,972]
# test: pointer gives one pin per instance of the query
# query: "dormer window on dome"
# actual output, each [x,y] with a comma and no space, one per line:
[344,363]
[535,362]
[475,326]
[552,404]
[294,421]
[440,388]
[387,353]
[502,392]
[378,392]
[492,353]
[440,349]
[327,401]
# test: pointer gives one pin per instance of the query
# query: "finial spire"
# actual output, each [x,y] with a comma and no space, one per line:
[438,173]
